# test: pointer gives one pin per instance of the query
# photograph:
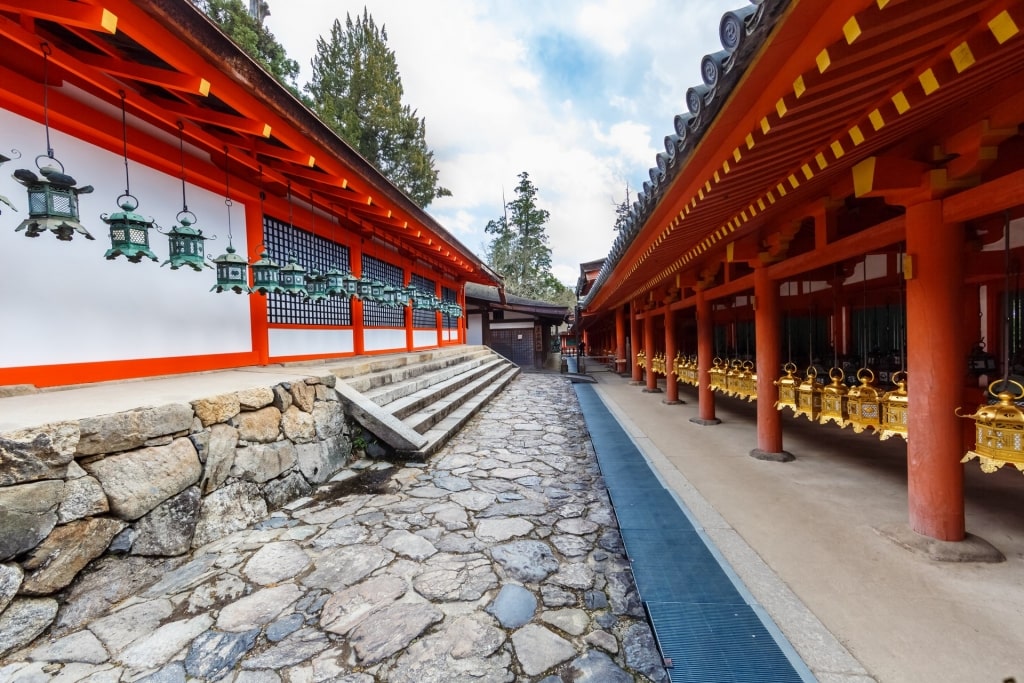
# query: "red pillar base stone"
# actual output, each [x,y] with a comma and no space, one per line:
[705,423]
[971,549]
[655,390]
[781,456]
[673,403]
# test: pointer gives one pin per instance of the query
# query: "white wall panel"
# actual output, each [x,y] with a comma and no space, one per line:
[423,338]
[293,342]
[384,340]
[474,330]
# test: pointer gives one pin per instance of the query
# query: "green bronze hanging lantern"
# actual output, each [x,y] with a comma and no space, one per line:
[377,291]
[232,269]
[3,160]
[185,243]
[316,283]
[334,282]
[52,199]
[293,279]
[129,231]
[266,275]
[364,289]
[389,296]
[350,284]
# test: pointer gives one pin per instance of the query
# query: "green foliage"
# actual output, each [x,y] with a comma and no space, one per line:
[519,250]
[250,35]
[622,213]
[357,91]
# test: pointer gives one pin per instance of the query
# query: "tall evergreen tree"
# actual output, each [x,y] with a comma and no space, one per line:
[622,212]
[250,35]
[357,91]
[519,250]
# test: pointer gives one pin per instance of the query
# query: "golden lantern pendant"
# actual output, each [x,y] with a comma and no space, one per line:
[677,366]
[863,403]
[641,359]
[808,396]
[749,381]
[894,409]
[717,374]
[999,431]
[732,378]
[834,398]
[692,371]
[787,388]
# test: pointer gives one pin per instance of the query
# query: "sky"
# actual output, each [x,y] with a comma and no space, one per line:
[580,94]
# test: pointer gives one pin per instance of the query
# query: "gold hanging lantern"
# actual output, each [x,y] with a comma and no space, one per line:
[717,374]
[894,409]
[787,388]
[732,377]
[677,366]
[641,359]
[834,399]
[864,403]
[999,430]
[749,381]
[808,396]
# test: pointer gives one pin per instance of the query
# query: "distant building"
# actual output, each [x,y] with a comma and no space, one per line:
[523,330]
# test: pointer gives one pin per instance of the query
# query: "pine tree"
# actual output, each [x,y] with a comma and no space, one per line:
[357,91]
[519,250]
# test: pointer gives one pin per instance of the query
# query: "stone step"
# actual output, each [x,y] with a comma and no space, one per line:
[435,406]
[440,433]
[405,398]
[385,373]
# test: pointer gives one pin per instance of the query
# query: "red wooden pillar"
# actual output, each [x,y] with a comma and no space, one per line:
[652,379]
[637,343]
[935,362]
[620,339]
[671,382]
[705,350]
[766,326]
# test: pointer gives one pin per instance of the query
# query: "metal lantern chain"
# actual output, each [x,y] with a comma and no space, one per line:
[52,199]
[184,241]
[232,269]
[129,231]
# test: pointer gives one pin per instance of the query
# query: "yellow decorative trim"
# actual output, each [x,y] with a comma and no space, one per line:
[864,177]
[750,141]
[743,215]
[204,90]
[700,193]
[771,197]
[765,126]
[780,107]
[782,189]
[819,159]
[725,166]
[718,179]
[808,173]
[929,83]
[760,204]
[793,181]
[877,120]
[962,57]
[837,149]
[856,135]
[901,102]
[753,210]
[798,87]
[736,155]
[823,61]
[882,4]
[851,29]
[108,21]
[707,186]
[1003,27]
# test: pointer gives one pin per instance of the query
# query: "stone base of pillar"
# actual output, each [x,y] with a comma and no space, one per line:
[636,383]
[971,549]
[705,423]
[677,402]
[781,456]
[655,390]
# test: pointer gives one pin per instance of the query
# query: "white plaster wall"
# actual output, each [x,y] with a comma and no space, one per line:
[474,330]
[424,338]
[292,342]
[386,340]
[63,302]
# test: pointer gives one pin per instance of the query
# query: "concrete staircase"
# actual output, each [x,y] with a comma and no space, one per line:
[415,402]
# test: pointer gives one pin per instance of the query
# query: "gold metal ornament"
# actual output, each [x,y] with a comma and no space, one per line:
[787,388]
[834,398]
[999,430]
[864,403]
[808,396]
[717,374]
[894,409]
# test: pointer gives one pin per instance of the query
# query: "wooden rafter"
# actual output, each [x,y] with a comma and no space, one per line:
[165,78]
[66,13]
[203,115]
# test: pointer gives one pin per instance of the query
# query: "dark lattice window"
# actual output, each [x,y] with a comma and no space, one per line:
[378,315]
[424,318]
[449,321]
[312,253]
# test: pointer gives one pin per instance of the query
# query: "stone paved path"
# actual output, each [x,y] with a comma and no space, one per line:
[499,560]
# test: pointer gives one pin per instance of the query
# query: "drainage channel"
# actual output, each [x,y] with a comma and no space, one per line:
[706,622]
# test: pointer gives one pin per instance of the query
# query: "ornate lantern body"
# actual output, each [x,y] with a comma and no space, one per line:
[641,359]
[350,284]
[364,289]
[377,291]
[808,396]
[981,362]
[748,381]
[266,275]
[864,403]
[185,244]
[316,285]
[732,377]
[335,282]
[717,374]
[693,371]
[787,388]
[52,201]
[894,409]
[232,273]
[129,232]
[293,279]
[999,431]
[834,399]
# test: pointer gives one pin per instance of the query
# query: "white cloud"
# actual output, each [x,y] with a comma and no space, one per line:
[466,67]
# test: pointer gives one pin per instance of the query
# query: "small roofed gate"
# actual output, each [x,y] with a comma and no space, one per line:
[515,344]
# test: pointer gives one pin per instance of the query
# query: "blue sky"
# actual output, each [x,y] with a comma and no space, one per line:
[578,93]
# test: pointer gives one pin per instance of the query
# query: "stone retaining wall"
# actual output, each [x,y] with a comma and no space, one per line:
[157,481]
